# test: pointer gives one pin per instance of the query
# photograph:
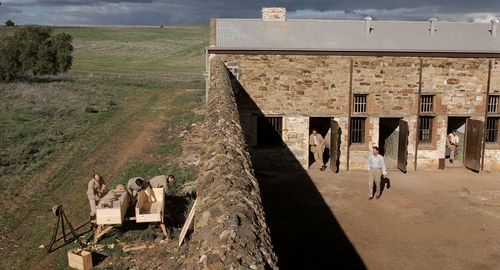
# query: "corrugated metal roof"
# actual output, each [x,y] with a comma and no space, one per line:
[331,35]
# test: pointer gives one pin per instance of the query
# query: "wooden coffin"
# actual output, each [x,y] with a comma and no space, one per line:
[80,260]
[112,210]
[150,204]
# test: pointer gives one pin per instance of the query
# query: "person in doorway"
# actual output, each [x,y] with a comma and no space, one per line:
[376,169]
[317,147]
[95,191]
[162,181]
[452,143]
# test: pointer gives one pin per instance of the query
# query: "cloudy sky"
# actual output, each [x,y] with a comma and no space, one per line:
[157,12]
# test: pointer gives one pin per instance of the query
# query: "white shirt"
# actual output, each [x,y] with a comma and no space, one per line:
[454,139]
[315,140]
[377,162]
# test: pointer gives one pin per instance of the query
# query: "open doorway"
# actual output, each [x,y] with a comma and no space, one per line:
[458,124]
[322,125]
[389,141]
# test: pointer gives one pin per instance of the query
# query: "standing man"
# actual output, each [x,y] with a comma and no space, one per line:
[452,143]
[317,147]
[95,191]
[162,181]
[376,168]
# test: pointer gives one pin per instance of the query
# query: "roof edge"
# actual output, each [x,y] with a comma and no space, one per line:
[464,54]
[349,21]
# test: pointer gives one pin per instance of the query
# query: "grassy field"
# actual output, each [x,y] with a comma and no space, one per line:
[108,114]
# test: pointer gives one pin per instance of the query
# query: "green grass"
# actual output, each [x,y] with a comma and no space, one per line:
[131,51]
[171,148]
[128,76]
[183,106]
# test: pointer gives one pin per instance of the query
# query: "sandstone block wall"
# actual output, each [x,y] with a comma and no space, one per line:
[303,86]
[230,228]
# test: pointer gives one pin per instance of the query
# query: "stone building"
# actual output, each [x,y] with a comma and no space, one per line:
[402,86]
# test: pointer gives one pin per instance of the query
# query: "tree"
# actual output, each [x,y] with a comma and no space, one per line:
[10,23]
[35,50]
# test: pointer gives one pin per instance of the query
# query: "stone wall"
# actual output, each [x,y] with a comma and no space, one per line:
[230,230]
[303,86]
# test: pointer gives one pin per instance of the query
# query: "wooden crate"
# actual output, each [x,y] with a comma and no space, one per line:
[149,208]
[80,260]
[112,213]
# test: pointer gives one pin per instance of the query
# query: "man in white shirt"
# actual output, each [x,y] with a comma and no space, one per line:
[452,143]
[376,168]
[317,147]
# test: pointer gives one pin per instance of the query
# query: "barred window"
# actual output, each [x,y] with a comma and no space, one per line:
[427,103]
[360,103]
[425,129]
[494,104]
[492,129]
[269,131]
[358,130]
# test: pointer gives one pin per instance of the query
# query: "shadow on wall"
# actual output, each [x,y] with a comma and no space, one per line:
[304,231]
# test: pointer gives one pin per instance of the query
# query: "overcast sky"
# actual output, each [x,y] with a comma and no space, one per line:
[157,12]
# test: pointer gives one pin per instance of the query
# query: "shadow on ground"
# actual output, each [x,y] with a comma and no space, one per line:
[304,231]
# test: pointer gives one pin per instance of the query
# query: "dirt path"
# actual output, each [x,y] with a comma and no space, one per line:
[130,145]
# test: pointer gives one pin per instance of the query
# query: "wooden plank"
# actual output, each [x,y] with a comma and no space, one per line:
[188,223]
[101,230]
[474,132]
[403,145]
[164,230]
[334,146]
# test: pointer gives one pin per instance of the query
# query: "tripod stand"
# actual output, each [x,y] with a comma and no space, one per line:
[61,219]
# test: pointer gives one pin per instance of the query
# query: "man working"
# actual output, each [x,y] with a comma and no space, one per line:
[452,143]
[376,168]
[317,147]
[95,191]
[162,181]
[134,185]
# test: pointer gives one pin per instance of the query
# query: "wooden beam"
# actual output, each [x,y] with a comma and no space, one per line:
[188,223]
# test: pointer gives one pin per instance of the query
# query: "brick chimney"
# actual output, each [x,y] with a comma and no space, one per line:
[274,14]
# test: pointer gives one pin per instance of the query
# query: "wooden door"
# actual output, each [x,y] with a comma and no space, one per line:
[334,146]
[474,130]
[403,145]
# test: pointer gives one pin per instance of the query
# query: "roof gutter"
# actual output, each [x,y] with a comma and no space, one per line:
[451,54]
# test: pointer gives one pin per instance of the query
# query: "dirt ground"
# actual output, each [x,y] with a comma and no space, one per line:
[426,220]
